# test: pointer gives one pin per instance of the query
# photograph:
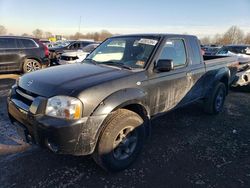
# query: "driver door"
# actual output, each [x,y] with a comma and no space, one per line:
[170,87]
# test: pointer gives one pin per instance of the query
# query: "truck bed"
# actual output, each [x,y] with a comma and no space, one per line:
[211,61]
[216,62]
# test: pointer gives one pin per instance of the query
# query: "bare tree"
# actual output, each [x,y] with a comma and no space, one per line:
[97,36]
[104,34]
[3,30]
[217,39]
[25,35]
[78,35]
[205,40]
[48,34]
[38,33]
[247,39]
[233,35]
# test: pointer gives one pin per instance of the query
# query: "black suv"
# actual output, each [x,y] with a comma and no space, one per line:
[67,46]
[22,54]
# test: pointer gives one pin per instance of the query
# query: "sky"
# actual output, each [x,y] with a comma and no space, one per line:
[198,17]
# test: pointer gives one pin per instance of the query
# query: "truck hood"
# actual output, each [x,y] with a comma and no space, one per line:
[66,79]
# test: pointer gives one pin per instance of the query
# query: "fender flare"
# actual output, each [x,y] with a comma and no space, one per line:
[120,99]
[222,75]
[115,101]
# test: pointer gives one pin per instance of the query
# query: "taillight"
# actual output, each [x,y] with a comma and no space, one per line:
[46,50]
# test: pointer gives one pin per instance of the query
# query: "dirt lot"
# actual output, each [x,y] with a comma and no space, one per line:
[188,149]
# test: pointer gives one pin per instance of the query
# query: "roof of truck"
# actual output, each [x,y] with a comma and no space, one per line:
[153,35]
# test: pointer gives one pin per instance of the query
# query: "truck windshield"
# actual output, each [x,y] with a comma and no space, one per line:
[124,52]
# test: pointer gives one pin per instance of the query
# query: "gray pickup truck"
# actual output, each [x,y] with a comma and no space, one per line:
[103,106]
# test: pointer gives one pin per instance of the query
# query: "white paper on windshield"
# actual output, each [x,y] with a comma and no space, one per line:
[151,42]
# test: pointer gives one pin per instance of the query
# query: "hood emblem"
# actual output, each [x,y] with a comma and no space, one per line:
[29,83]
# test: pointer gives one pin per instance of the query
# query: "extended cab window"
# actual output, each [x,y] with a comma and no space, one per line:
[196,58]
[174,49]
[27,43]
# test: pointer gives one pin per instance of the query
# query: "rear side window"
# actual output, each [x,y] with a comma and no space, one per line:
[196,59]
[9,43]
[84,44]
[174,49]
[27,43]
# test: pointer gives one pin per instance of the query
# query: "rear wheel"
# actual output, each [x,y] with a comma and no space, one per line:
[31,65]
[121,141]
[215,102]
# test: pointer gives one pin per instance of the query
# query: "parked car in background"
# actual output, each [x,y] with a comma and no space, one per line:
[76,56]
[67,46]
[210,50]
[57,43]
[22,54]
[242,52]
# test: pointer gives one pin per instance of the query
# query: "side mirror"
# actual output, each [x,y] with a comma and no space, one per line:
[164,65]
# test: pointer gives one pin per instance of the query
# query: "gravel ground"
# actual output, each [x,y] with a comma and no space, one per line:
[188,149]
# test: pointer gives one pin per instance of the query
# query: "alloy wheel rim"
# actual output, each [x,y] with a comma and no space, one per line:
[32,66]
[125,143]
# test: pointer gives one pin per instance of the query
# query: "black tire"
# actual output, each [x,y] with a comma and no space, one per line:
[118,158]
[31,65]
[214,103]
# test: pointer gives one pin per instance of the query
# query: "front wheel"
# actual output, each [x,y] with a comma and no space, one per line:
[31,65]
[121,141]
[215,102]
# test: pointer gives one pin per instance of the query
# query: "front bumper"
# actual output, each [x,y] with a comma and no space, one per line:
[75,137]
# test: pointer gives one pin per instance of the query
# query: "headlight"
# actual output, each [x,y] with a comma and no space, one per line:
[64,107]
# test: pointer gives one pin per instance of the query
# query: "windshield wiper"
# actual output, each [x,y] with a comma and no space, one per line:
[112,63]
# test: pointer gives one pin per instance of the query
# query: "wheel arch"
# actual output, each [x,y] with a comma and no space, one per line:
[132,100]
[29,57]
[220,75]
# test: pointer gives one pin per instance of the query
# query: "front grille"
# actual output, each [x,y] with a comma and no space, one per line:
[25,96]
[27,92]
